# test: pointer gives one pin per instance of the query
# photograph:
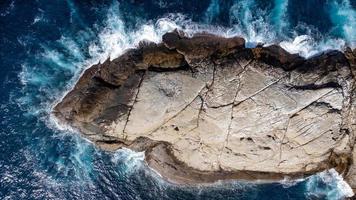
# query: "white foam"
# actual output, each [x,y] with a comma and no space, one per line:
[334,186]
[133,160]
[300,45]
[343,17]
[72,48]
[115,39]
[37,19]
[288,182]
[306,46]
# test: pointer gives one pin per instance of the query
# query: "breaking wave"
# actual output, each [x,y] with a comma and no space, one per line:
[47,74]
[328,185]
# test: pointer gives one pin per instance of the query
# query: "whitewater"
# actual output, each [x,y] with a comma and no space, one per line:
[58,159]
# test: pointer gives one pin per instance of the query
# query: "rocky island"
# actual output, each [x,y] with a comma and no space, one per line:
[205,108]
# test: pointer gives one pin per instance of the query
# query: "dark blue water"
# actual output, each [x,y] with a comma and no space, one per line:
[46,44]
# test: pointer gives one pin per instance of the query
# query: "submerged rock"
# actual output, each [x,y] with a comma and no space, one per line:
[207,108]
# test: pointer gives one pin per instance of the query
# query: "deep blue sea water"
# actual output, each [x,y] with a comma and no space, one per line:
[46,44]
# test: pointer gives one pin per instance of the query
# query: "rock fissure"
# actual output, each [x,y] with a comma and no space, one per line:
[308,104]
[229,125]
[130,108]
[257,92]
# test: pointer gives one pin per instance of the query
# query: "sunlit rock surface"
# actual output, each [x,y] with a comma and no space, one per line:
[207,108]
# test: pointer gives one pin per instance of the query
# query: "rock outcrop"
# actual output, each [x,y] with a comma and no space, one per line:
[207,108]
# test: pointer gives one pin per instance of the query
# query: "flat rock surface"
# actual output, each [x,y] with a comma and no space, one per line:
[207,108]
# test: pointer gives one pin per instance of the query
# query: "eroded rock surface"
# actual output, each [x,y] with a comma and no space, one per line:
[206,108]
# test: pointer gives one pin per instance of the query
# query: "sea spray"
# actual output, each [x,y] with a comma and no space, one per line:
[55,69]
[132,160]
[250,22]
[343,17]
[328,185]
[306,46]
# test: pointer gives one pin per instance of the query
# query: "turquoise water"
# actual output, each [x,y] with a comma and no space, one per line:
[45,45]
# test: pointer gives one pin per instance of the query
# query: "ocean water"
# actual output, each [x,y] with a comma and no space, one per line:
[46,44]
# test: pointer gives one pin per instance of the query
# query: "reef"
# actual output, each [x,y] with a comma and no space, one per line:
[205,108]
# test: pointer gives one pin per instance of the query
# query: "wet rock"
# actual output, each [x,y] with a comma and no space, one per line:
[276,56]
[202,45]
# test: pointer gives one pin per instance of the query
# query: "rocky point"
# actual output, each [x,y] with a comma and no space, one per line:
[205,108]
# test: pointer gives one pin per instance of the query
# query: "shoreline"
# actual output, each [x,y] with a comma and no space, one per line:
[217,181]
[159,154]
[159,159]
[196,177]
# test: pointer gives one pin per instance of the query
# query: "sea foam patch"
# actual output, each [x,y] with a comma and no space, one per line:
[328,185]
[133,160]
[69,57]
